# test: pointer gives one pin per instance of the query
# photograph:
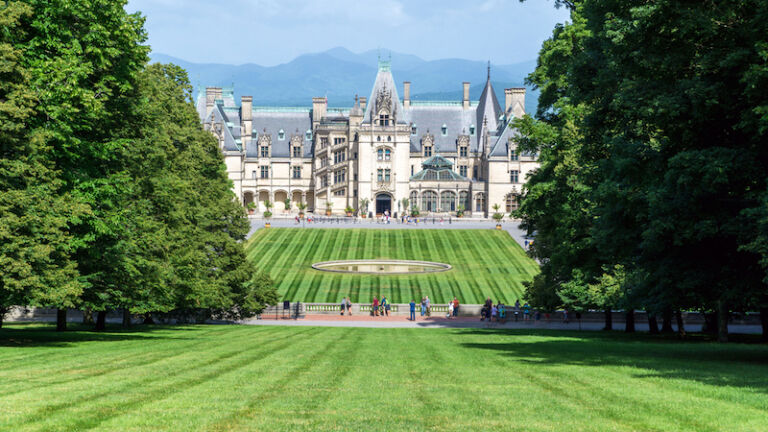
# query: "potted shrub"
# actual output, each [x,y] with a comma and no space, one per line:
[287,203]
[349,210]
[460,211]
[364,206]
[497,216]
[301,207]
[414,211]
[267,214]
[251,207]
[328,207]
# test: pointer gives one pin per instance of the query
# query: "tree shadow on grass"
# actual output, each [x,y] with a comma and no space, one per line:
[21,335]
[735,365]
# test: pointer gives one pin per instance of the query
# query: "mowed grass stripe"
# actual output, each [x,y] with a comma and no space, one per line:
[486,263]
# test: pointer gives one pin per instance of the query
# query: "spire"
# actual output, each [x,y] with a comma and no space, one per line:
[488,109]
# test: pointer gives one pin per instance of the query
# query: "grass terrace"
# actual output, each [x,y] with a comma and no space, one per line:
[485,263]
[226,378]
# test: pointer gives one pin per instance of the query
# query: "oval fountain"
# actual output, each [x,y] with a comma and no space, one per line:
[391,267]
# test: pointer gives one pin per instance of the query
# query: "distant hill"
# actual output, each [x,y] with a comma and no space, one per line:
[339,74]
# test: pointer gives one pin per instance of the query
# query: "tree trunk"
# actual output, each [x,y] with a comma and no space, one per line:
[653,325]
[101,320]
[148,319]
[680,324]
[61,319]
[4,311]
[126,318]
[608,319]
[630,321]
[666,321]
[711,321]
[764,322]
[722,321]
[87,316]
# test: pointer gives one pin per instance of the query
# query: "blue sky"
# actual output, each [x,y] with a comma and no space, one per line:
[270,32]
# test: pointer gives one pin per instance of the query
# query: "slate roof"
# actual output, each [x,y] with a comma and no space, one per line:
[291,123]
[431,119]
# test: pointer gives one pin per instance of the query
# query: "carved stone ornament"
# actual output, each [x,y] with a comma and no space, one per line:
[296,140]
[384,99]
[463,140]
[427,140]
[265,140]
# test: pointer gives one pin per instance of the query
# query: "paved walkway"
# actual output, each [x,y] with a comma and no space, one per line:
[512,227]
[367,321]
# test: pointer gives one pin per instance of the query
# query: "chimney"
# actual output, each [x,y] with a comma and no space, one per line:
[406,95]
[210,100]
[465,100]
[507,100]
[219,93]
[246,114]
[516,102]
[318,108]
[362,103]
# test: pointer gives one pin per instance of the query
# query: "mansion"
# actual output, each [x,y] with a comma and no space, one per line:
[440,157]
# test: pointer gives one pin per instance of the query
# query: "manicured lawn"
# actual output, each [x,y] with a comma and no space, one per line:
[219,378]
[485,263]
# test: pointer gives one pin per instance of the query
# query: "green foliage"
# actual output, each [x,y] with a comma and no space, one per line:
[364,204]
[651,135]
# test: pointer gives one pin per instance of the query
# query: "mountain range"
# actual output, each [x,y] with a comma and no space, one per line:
[340,74]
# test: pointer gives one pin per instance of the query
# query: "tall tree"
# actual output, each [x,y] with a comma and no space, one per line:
[35,245]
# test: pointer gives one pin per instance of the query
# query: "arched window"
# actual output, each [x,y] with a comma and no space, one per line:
[512,202]
[464,200]
[429,201]
[380,154]
[480,202]
[414,201]
[447,201]
[387,154]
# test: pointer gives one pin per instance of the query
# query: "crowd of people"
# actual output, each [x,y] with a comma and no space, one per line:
[492,312]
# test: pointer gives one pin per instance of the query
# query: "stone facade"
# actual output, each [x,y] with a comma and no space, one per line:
[441,156]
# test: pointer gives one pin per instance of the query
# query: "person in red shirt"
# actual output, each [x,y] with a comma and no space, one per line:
[375,306]
[455,307]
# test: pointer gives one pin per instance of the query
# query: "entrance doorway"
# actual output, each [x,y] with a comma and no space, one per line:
[383,203]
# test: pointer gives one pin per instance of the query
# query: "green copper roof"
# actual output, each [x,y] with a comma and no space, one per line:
[437,168]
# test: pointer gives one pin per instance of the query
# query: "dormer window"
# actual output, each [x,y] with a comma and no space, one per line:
[383,119]
[427,151]
[513,155]
[297,151]
[308,135]
[444,129]
[281,135]
[472,130]
[463,151]
[413,129]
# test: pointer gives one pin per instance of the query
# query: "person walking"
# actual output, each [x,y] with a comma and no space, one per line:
[488,306]
[343,305]
[385,305]
[429,307]
[494,311]
[375,306]
[349,307]
[423,306]
[526,312]
[412,306]
[450,310]
[565,316]
[455,307]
